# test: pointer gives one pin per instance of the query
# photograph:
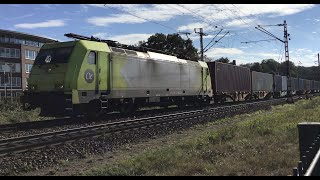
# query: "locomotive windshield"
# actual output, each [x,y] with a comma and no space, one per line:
[53,56]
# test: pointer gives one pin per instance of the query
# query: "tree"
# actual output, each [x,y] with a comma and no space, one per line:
[256,67]
[223,60]
[172,43]
[283,69]
[270,66]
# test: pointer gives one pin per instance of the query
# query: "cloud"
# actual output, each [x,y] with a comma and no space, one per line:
[20,17]
[190,27]
[218,52]
[15,5]
[209,15]
[129,12]
[273,10]
[50,6]
[129,39]
[46,24]
[120,18]
[240,23]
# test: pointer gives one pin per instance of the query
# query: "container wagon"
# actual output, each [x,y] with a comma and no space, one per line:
[294,85]
[229,81]
[302,86]
[280,86]
[307,86]
[262,85]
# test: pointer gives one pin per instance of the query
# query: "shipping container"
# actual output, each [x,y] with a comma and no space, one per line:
[301,84]
[317,85]
[277,83]
[262,81]
[294,84]
[307,85]
[227,78]
[284,83]
[313,85]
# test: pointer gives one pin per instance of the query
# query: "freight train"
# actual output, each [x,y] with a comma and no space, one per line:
[89,75]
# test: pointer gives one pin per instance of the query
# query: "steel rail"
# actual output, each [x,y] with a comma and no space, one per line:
[25,143]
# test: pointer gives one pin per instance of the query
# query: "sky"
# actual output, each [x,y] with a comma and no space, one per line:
[131,23]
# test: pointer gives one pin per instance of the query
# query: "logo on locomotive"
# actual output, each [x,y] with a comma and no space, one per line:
[89,76]
[48,59]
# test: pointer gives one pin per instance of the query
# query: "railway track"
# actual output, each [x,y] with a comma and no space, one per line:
[37,141]
[25,126]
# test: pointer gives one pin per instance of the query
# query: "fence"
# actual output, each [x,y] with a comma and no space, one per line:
[309,146]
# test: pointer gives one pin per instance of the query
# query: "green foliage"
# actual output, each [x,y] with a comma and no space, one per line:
[172,43]
[273,67]
[13,113]
[223,60]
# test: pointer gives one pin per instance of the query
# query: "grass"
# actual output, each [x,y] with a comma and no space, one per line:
[13,113]
[264,143]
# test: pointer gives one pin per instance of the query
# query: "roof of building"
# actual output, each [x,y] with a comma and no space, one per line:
[25,35]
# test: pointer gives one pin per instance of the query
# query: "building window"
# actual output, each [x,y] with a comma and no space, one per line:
[28,68]
[13,67]
[31,54]
[12,53]
[9,53]
[16,82]
[2,52]
[18,53]
[12,40]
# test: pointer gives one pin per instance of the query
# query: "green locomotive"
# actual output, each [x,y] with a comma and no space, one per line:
[90,76]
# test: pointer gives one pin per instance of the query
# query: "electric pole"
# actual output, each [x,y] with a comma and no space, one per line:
[286,35]
[201,40]
[286,43]
[317,78]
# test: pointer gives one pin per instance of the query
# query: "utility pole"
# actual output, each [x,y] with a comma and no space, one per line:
[286,46]
[201,40]
[317,78]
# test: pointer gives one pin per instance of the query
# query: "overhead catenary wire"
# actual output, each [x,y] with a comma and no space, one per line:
[216,42]
[213,38]
[268,40]
[239,17]
[166,26]
[193,12]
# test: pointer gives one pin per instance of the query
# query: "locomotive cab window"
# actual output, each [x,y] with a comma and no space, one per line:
[92,57]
